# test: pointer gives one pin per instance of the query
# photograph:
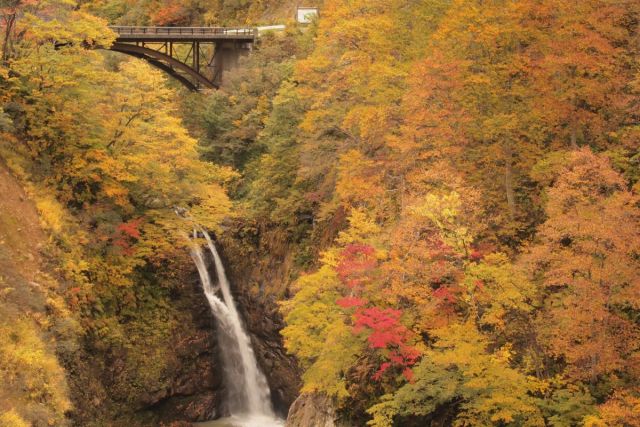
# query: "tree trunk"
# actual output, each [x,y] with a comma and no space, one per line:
[6,43]
[574,138]
[508,180]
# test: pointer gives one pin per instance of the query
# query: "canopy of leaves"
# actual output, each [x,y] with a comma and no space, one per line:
[456,180]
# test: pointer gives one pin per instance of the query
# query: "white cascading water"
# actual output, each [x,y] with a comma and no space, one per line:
[249,398]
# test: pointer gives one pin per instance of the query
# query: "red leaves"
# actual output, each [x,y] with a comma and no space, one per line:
[381,370]
[384,324]
[127,233]
[130,228]
[480,250]
[171,14]
[387,332]
[349,302]
[445,294]
[357,262]
[408,374]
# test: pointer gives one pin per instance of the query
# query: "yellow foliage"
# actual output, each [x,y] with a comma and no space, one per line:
[318,334]
[594,421]
[27,365]
[359,182]
[362,228]
[444,211]
[12,419]
[51,214]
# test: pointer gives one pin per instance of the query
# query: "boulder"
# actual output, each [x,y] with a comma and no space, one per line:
[312,410]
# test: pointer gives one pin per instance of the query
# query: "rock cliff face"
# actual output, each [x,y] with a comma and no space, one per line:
[264,323]
[194,390]
[173,377]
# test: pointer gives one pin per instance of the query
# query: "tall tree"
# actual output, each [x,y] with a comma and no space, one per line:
[585,256]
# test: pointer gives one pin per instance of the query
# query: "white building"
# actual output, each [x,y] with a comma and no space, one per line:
[304,15]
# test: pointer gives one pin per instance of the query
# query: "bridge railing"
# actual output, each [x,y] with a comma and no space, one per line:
[169,31]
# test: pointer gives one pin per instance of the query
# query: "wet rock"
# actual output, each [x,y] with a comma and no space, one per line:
[196,408]
[183,384]
[268,364]
[153,397]
[195,384]
[312,410]
[280,368]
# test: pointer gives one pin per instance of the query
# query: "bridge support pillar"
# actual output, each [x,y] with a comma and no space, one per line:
[227,56]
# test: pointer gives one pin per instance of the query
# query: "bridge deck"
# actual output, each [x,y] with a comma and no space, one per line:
[183,34]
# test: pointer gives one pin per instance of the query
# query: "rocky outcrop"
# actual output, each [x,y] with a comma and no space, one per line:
[312,410]
[195,390]
[173,377]
[189,387]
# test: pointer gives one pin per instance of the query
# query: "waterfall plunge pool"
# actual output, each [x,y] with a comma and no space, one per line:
[244,421]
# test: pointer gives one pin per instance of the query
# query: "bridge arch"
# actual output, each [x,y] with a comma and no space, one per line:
[185,74]
[202,68]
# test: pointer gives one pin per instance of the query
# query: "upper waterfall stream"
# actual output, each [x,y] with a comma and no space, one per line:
[249,397]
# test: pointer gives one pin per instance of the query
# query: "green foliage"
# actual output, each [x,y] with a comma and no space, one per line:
[230,122]
[274,191]
[567,404]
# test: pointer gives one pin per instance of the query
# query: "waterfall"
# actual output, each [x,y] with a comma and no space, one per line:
[249,397]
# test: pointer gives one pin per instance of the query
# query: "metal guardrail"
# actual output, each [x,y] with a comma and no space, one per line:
[178,31]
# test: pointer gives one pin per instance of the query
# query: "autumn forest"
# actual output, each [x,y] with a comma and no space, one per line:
[428,211]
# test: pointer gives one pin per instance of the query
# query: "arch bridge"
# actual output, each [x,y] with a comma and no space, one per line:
[196,56]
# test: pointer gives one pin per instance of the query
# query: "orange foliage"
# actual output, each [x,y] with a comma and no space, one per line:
[173,13]
[587,251]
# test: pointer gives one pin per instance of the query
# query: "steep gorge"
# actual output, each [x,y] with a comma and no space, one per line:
[117,383]
[432,205]
[142,348]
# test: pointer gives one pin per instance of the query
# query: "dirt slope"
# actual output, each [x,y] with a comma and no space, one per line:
[21,237]
[33,388]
